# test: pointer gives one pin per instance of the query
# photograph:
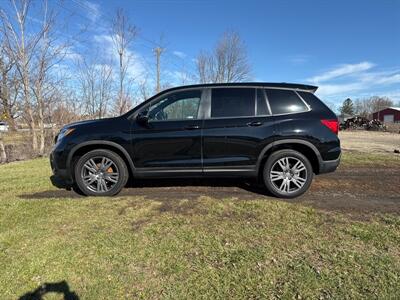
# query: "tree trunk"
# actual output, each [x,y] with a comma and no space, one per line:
[41,131]
[3,154]
[32,128]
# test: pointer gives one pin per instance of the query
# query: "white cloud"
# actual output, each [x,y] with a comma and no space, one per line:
[338,89]
[93,10]
[356,80]
[342,70]
[179,54]
[72,55]
[389,79]
[136,65]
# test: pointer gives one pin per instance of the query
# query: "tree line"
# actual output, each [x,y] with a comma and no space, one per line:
[365,107]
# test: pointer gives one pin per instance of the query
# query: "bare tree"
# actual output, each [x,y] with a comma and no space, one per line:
[50,51]
[6,66]
[365,107]
[21,48]
[228,62]
[95,82]
[8,85]
[123,34]
[143,88]
[379,103]
[362,108]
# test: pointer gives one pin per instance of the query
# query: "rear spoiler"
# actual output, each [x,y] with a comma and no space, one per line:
[304,87]
[311,88]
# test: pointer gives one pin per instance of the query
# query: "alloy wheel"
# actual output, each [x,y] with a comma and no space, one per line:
[288,174]
[100,174]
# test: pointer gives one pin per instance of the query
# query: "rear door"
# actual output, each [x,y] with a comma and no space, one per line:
[236,128]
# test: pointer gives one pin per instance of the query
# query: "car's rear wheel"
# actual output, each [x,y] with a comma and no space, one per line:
[101,173]
[287,173]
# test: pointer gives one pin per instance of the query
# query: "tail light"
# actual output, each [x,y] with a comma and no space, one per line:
[333,125]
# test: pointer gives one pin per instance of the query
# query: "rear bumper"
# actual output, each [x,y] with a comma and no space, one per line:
[60,177]
[327,166]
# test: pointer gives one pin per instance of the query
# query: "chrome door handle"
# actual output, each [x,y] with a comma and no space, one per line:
[192,127]
[254,124]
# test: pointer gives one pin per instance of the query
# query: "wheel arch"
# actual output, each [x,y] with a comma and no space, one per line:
[85,147]
[304,147]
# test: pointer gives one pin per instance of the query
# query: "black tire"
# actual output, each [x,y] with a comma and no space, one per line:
[77,190]
[272,164]
[113,187]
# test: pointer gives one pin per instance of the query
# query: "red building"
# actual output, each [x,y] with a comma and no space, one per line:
[388,115]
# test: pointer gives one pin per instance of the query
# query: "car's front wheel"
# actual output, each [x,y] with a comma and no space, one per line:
[287,173]
[101,173]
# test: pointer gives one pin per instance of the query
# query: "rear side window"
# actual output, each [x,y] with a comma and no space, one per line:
[232,102]
[285,101]
[313,100]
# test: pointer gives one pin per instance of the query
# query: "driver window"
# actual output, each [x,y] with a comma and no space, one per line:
[177,106]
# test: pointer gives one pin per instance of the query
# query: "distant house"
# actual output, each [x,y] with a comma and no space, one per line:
[388,115]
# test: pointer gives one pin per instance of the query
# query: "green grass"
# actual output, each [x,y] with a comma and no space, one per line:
[370,159]
[133,247]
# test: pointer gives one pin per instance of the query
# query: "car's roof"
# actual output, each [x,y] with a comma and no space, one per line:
[285,85]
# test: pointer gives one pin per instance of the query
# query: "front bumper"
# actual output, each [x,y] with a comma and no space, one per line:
[60,178]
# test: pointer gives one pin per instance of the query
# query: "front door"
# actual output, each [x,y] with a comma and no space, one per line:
[171,139]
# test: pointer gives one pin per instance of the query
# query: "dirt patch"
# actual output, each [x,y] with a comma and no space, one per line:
[369,141]
[359,190]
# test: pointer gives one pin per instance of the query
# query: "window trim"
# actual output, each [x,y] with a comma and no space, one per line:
[204,112]
[266,102]
[266,99]
[255,102]
[288,113]
[132,114]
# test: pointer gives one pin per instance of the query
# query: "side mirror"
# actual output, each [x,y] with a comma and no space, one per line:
[142,118]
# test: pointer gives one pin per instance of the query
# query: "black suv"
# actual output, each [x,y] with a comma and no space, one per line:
[280,133]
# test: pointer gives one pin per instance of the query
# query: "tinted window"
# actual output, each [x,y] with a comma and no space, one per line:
[313,100]
[285,101]
[232,102]
[178,106]
[261,108]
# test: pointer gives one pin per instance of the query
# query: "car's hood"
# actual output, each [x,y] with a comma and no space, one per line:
[89,123]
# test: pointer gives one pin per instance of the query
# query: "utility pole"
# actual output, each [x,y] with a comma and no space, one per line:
[158,51]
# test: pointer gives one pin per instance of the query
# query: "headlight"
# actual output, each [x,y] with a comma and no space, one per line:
[64,132]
